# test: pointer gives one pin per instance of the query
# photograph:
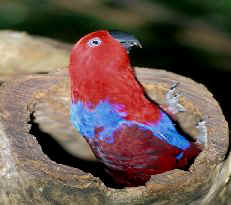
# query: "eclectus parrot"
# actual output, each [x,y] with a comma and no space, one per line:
[130,134]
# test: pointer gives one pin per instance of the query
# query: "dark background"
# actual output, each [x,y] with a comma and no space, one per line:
[188,37]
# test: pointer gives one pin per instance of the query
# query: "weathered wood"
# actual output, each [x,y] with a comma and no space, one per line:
[22,53]
[28,176]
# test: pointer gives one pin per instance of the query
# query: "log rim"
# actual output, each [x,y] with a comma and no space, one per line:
[66,174]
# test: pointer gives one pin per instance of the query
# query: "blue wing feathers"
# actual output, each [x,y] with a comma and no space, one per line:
[109,118]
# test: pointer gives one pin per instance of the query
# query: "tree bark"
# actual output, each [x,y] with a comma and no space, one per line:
[28,176]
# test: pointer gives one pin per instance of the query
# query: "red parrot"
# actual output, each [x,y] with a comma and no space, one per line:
[130,134]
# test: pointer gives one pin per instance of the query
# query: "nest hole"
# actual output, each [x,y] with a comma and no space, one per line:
[58,154]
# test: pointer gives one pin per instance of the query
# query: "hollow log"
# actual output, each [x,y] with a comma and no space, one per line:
[29,176]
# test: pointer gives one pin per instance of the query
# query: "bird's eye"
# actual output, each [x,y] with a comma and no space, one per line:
[94,42]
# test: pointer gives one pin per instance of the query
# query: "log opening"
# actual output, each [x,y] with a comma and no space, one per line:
[46,95]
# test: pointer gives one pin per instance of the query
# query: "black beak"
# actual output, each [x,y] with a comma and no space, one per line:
[126,39]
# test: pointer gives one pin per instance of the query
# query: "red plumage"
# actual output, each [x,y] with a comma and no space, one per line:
[136,155]
[104,72]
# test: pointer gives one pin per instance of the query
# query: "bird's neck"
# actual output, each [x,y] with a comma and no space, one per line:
[93,80]
[97,84]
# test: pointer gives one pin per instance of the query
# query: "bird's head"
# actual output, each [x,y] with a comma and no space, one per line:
[102,48]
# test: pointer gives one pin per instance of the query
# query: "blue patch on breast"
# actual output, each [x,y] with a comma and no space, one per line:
[104,115]
[109,117]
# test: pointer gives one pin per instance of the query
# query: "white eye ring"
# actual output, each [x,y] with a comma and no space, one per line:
[94,42]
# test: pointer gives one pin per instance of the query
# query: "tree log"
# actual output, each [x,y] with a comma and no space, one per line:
[29,176]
